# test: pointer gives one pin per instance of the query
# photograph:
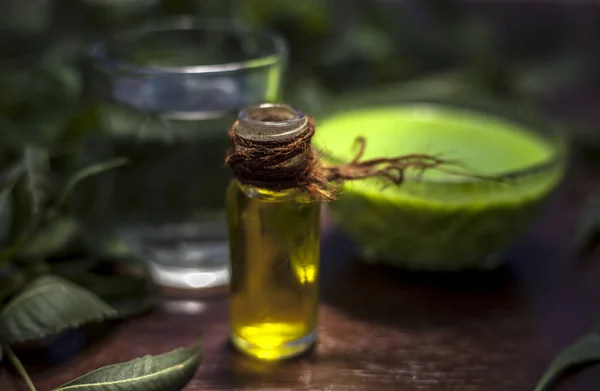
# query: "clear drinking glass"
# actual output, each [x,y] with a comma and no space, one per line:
[164,97]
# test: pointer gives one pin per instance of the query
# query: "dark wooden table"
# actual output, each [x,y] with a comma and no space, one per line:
[382,329]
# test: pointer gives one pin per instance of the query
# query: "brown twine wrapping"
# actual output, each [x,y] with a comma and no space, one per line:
[293,163]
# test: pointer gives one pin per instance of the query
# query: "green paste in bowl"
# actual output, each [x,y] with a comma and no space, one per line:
[443,221]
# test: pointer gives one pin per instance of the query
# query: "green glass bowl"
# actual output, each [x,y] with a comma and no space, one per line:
[445,223]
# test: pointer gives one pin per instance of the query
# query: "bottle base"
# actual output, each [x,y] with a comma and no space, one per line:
[274,353]
[187,278]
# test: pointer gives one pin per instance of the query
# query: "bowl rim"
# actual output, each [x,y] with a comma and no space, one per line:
[524,115]
[99,52]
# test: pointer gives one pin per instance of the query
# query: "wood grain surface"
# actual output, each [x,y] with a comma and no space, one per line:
[382,329]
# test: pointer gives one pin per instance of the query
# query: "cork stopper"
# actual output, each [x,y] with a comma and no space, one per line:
[268,122]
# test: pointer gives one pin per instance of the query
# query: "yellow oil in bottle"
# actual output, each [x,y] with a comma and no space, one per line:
[274,248]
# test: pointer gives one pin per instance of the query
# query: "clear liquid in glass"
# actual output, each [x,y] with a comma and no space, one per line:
[167,203]
[164,98]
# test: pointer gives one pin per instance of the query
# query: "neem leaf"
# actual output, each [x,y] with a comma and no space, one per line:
[51,238]
[30,175]
[49,305]
[166,372]
[130,295]
[586,350]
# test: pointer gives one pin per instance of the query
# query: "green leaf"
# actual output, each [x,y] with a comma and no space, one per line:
[38,170]
[166,372]
[130,295]
[586,350]
[30,225]
[51,239]
[49,305]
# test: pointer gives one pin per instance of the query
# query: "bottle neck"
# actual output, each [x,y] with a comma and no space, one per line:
[293,194]
[271,149]
[271,123]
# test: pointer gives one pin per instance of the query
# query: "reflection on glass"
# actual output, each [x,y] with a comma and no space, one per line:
[164,97]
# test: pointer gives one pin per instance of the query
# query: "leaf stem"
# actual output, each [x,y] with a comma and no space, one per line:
[18,366]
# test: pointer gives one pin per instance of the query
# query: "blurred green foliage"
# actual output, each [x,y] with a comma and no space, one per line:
[340,51]
[336,46]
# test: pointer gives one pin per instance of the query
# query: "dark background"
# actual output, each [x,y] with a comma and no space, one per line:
[541,51]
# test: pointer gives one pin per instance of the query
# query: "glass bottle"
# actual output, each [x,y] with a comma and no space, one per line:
[274,251]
